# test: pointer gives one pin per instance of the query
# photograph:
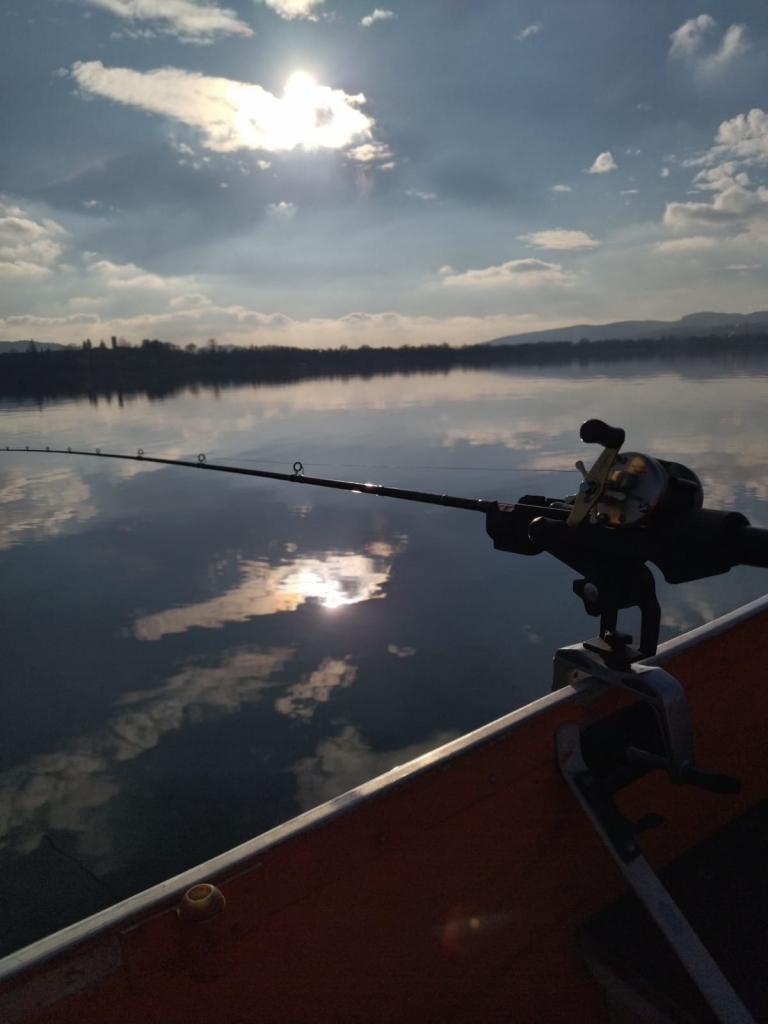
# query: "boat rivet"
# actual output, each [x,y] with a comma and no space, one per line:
[201,902]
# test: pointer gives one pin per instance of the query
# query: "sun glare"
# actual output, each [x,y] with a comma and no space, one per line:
[300,86]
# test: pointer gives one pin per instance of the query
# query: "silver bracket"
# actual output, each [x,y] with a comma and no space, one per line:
[667,698]
[621,844]
[657,687]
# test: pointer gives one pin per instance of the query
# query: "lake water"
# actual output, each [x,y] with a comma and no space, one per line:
[189,659]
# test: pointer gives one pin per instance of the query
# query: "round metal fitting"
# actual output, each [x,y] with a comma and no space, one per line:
[201,902]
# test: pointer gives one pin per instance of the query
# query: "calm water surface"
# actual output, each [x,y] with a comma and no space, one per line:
[190,659]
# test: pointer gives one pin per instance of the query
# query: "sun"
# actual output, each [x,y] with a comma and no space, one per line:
[300,87]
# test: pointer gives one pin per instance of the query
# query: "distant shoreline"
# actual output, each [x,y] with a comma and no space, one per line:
[158,369]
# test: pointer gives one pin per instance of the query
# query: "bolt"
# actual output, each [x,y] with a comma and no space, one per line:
[587,488]
[644,507]
[622,518]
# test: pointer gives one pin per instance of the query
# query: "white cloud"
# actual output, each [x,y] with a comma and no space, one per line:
[191,22]
[128,275]
[241,325]
[743,138]
[235,115]
[734,205]
[527,273]
[290,9]
[603,163]
[694,243]
[282,209]
[559,238]
[664,172]
[191,301]
[28,247]
[744,266]
[741,141]
[733,43]
[426,196]
[528,31]
[376,15]
[369,152]
[629,192]
[689,43]
[689,37]
[562,188]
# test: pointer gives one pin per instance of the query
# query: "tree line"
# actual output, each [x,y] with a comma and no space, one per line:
[159,369]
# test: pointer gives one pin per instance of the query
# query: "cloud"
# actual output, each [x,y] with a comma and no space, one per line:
[426,196]
[301,699]
[344,761]
[128,275]
[235,115]
[63,790]
[694,243]
[527,273]
[369,152]
[290,9]
[743,266]
[743,138]
[189,21]
[282,209]
[401,652]
[241,325]
[603,163]
[333,582]
[528,31]
[38,505]
[28,247]
[733,204]
[562,188]
[740,142]
[689,43]
[689,37]
[376,15]
[559,238]
[664,172]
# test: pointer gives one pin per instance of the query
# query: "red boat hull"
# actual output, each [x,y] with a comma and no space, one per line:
[449,889]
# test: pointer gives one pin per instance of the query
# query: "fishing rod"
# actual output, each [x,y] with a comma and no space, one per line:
[629,509]
[297,477]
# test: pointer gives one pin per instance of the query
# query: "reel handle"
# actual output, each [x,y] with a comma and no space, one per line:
[597,432]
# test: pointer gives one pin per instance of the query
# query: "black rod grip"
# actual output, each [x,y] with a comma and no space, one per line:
[597,432]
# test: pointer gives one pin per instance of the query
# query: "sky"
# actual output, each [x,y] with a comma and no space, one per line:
[328,172]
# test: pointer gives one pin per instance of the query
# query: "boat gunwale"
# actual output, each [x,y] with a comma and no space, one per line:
[226,865]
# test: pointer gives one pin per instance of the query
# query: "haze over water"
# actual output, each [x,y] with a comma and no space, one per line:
[191,659]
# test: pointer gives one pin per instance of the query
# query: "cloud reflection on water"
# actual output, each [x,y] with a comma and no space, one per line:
[38,505]
[345,760]
[333,581]
[64,790]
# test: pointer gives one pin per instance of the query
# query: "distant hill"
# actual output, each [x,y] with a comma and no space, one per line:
[693,323]
[22,346]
